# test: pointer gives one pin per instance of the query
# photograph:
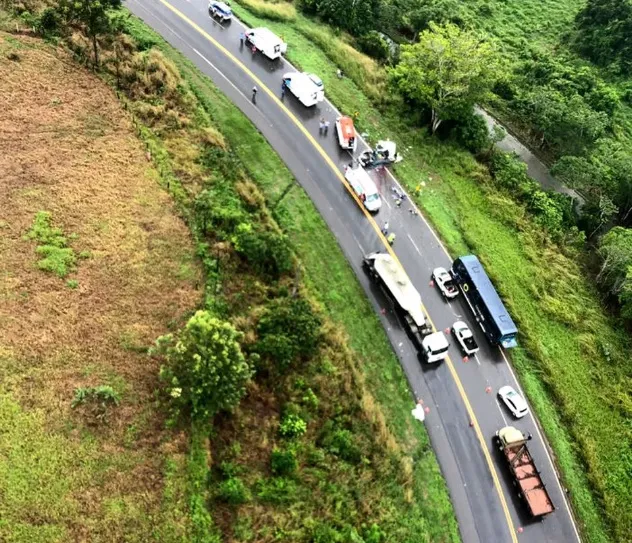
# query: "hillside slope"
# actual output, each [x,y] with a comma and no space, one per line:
[70,151]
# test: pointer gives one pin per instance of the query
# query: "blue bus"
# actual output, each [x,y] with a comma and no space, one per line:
[488,308]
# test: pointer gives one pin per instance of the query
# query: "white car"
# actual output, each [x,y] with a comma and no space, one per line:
[446,284]
[465,338]
[514,402]
[220,10]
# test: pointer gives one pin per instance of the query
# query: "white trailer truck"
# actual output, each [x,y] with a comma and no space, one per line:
[267,42]
[308,88]
[389,275]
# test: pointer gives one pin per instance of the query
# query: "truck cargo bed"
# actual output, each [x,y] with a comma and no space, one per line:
[528,479]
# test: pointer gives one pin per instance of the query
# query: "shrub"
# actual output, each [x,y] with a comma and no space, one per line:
[324,533]
[374,45]
[268,252]
[472,133]
[206,372]
[97,400]
[289,329]
[218,211]
[49,22]
[283,462]
[233,491]
[292,426]
[276,490]
[341,442]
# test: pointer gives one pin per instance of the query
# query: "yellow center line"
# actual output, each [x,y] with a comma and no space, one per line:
[373,223]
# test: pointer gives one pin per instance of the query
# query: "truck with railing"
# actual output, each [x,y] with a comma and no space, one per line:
[389,275]
[526,478]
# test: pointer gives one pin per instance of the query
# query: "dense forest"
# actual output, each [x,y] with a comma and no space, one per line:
[566,96]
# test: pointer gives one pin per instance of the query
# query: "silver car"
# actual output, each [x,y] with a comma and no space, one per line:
[514,402]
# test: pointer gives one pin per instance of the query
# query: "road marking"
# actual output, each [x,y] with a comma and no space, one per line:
[500,408]
[414,244]
[477,360]
[374,225]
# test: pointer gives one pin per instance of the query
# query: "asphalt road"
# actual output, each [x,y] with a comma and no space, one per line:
[455,391]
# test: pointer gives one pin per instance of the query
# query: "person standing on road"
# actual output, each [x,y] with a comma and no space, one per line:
[254,94]
[283,89]
[326,127]
[321,125]
[391,238]
[242,36]
[385,229]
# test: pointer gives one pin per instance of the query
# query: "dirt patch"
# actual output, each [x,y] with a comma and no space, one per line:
[69,149]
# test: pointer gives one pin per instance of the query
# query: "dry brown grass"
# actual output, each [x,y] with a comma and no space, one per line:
[68,148]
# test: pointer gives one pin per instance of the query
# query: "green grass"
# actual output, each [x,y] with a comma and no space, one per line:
[58,258]
[579,394]
[427,511]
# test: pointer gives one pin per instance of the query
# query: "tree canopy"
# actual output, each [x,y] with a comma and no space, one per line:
[206,372]
[604,32]
[448,71]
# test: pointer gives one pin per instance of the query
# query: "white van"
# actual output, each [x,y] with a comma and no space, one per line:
[362,184]
[308,88]
[265,41]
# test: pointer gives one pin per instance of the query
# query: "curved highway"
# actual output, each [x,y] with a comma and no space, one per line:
[464,415]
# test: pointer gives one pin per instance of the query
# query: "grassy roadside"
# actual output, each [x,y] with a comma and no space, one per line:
[426,511]
[571,349]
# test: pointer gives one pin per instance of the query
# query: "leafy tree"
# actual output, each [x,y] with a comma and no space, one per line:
[604,32]
[91,14]
[356,16]
[206,371]
[448,71]
[615,275]
[566,122]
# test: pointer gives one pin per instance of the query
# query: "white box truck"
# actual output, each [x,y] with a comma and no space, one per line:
[308,88]
[265,41]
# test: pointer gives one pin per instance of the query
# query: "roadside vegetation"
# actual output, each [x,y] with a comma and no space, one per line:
[573,358]
[300,429]
[94,265]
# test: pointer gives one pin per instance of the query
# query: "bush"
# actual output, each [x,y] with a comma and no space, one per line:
[472,133]
[283,462]
[218,211]
[97,400]
[233,491]
[292,426]
[288,330]
[206,371]
[324,533]
[276,490]
[49,22]
[374,45]
[268,252]
[341,443]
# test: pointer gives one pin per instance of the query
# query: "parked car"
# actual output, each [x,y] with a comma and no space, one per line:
[220,10]
[446,284]
[465,338]
[514,402]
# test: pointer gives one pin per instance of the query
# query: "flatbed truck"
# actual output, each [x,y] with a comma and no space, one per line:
[526,478]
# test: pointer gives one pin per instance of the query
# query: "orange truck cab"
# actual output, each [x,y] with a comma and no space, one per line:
[345,130]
